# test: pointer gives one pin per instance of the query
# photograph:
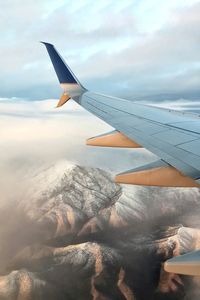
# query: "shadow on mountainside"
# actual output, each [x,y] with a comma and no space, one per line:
[75,234]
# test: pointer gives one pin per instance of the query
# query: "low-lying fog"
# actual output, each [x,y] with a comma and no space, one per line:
[67,231]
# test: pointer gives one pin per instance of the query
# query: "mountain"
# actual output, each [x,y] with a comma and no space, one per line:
[72,233]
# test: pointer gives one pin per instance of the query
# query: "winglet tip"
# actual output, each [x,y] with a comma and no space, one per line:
[46,43]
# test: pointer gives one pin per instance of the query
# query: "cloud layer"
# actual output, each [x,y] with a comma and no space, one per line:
[130,48]
[35,134]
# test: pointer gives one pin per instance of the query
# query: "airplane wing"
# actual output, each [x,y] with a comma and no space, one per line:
[173,136]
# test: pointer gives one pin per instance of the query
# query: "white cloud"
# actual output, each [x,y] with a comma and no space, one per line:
[35,134]
[129,47]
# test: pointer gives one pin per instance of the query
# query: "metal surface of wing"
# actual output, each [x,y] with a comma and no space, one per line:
[172,136]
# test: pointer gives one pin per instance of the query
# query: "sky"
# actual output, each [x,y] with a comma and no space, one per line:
[124,48]
[143,50]
[137,49]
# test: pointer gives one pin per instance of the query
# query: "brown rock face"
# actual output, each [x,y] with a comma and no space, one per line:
[74,234]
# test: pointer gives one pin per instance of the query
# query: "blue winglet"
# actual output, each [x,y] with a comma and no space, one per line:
[63,72]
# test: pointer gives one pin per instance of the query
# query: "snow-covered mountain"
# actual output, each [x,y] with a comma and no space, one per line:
[72,233]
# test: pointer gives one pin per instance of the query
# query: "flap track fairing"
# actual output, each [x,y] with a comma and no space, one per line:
[187,264]
[112,139]
[157,173]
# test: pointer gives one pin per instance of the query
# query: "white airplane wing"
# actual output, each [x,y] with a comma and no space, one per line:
[173,136]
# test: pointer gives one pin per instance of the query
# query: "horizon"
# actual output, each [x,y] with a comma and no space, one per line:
[130,49]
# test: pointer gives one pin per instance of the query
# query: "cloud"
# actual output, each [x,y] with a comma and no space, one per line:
[125,48]
[35,134]
[52,198]
[166,61]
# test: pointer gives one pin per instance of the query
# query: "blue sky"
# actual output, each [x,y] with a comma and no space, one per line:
[131,48]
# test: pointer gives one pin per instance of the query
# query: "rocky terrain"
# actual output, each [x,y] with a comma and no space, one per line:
[74,234]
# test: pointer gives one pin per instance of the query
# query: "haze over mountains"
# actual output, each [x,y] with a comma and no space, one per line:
[67,230]
[65,224]
[74,234]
